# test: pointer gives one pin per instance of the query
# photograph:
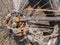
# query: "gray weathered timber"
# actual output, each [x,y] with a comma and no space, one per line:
[41,19]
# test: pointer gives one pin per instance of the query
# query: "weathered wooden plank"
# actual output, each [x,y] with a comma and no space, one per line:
[41,19]
[48,10]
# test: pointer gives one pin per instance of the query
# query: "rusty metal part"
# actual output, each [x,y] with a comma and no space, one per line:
[16,19]
[20,28]
[22,31]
